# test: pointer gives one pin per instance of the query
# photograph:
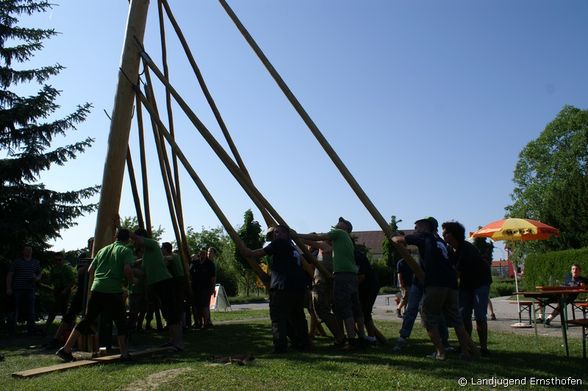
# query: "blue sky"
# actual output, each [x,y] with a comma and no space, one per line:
[427,102]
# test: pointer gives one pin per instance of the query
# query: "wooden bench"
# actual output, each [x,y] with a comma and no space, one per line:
[580,305]
[584,324]
[524,306]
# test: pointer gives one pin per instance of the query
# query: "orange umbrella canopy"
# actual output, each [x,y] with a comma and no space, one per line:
[516,229]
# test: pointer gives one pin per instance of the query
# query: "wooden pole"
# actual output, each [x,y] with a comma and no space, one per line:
[167,181]
[118,139]
[144,180]
[170,118]
[242,179]
[211,102]
[134,190]
[323,142]
[207,196]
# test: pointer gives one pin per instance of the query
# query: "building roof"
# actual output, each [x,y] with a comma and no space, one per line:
[373,240]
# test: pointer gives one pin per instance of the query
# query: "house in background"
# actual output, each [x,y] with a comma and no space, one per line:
[373,241]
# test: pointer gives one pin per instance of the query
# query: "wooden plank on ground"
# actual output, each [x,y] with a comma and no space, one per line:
[81,363]
[53,368]
[116,357]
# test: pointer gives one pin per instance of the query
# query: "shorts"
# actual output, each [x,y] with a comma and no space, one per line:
[104,303]
[346,297]
[438,303]
[476,301]
[171,305]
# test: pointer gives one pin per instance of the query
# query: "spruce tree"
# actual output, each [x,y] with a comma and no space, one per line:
[29,212]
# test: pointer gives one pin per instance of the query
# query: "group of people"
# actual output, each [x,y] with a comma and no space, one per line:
[330,277]
[343,287]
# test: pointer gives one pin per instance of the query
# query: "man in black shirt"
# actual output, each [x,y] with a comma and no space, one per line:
[203,275]
[474,281]
[287,290]
[440,298]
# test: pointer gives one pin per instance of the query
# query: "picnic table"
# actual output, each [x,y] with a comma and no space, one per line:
[547,296]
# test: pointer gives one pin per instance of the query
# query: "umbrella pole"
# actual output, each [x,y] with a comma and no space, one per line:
[517,290]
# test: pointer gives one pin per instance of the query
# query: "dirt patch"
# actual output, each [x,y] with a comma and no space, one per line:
[152,382]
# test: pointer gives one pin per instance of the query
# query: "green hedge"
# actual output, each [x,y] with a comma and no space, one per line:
[553,267]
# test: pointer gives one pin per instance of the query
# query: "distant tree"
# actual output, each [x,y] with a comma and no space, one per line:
[31,212]
[551,182]
[213,237]
[389,253]
[250,233]
[132,223]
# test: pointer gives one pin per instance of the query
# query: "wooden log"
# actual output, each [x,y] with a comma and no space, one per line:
[211,102]
[242,179]
[118,139]
[323,142]
[53,368]
[144,179]
[207,196]
[134,189]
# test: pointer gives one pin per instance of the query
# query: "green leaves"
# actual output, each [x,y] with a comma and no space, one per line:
[551,179]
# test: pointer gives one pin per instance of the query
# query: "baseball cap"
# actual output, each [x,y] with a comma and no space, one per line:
[349,225]
[431,220]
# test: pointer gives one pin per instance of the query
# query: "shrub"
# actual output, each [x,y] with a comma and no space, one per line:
[502,288]
[384,272]
[551,268]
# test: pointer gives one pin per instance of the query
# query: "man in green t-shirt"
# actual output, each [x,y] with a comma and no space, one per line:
[345,291]
[161,283]
[110,266]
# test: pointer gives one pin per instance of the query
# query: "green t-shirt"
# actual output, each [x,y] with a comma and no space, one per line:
[153,262]
[343,250]
[62,276]
[109,266]
[176,266]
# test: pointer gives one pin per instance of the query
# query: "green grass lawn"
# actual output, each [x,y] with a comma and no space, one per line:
[325,368]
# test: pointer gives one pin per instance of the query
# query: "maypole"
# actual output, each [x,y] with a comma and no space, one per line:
[120,125]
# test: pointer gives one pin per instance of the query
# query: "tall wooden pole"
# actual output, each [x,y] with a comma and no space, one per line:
[266,215]
[323,142]
[120,125]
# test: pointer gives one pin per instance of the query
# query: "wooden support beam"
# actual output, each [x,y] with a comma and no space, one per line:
[120,125]
[242,179]
[207,196]
[324,143]
[144,179]
[134,189]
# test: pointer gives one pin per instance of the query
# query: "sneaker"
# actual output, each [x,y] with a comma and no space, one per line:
[65,356]
[484,353]
[547,322]
[398,313]
[493,317]
[436,356]
[128,359]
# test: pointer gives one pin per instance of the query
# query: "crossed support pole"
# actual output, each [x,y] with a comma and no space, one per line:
[128,92]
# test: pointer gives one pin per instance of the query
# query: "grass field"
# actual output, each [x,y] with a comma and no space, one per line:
[325,368]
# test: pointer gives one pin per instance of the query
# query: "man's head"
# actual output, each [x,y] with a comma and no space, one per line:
[27,252]
[453,233]
[166,248]
[141,232]
[58,258]
[345,225]
[123,235]
[428,224]
[576,270]
[281,232]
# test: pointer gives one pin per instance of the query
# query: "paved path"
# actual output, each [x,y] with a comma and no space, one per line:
[506,314]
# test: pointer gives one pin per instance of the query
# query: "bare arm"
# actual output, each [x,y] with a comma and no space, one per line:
[128,272]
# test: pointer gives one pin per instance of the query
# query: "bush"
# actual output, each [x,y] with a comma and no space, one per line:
[551,268]
[384,272]
[502,288]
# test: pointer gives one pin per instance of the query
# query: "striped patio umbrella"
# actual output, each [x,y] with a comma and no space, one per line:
[516,229]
